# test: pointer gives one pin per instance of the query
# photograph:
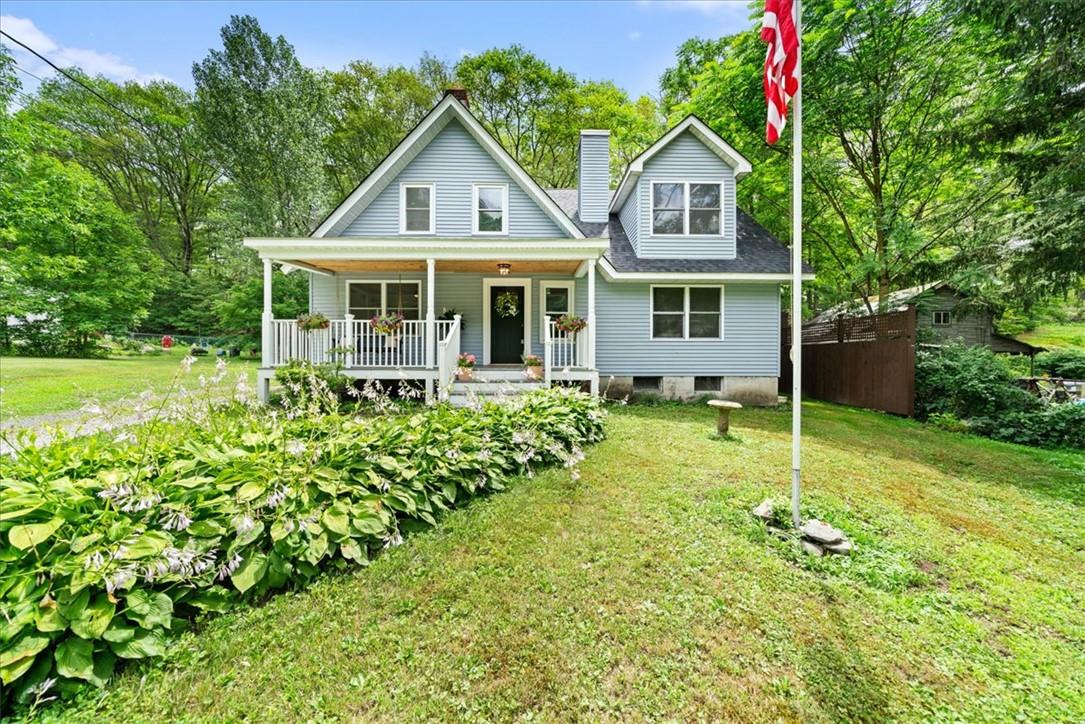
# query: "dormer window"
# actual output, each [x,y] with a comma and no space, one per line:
[490,209]
[686,209]
[416,209]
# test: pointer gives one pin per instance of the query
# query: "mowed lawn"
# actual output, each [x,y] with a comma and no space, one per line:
[35,386]
[1054,336]
[646,591]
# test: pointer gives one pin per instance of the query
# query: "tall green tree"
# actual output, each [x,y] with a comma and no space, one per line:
[886,192]
[157,167]
[263,115]
[68,255]
[370,109]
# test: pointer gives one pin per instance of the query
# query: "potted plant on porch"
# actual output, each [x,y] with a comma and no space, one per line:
[532,367]
[465,365]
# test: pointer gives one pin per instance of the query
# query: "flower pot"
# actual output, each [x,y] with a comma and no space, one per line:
[391,341]
[464,374]
[533,372]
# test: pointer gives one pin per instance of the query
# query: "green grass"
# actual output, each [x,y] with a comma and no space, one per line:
[646,591]
[34,386]
[1052,336]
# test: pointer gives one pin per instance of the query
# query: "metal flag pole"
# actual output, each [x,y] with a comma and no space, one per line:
[796,280]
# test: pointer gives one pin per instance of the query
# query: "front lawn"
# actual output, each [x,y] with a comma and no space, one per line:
[35,386]
[645,590]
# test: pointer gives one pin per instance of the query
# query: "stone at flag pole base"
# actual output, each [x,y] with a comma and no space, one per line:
[817,538]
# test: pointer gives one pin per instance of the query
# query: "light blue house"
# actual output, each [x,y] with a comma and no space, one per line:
[679,288]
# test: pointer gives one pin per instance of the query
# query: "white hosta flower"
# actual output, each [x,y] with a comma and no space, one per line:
[119,579]
[227,569]
[277,496]
[393,538]
[187,362]
[175,520]
[452,453]
[485,454]
[295,447]
[244,524]
[220,371]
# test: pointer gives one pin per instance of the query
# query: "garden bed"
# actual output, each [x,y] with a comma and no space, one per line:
[108,548]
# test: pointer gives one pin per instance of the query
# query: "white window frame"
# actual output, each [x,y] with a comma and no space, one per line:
[504,209]
[432,207]
[685,200]
[384,294]
[685,312]
[935,317]
[543,286]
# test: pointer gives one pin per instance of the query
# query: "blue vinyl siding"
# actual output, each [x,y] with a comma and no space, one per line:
[593,184]
[629,215]
[454,161]
[684,159]
[751,343]
[459,291]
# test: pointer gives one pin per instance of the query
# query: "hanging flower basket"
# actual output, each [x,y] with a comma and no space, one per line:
[313,322]
[386,323]
[507,304]
[570,323]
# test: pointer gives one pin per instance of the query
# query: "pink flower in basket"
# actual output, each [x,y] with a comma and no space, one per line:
[465,361]
[570,323]
[386,323]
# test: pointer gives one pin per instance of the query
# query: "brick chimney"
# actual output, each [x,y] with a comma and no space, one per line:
[460,93]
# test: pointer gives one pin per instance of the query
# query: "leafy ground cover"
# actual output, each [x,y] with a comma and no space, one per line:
[35,386]
[114,543]
[646,591]
[1056,336]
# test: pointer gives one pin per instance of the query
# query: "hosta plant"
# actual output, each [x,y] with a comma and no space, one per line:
[109,545]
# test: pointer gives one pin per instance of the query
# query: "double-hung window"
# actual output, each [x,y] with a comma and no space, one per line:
[416,208]
[686,209]
[940,318]
[687,312]
[490,209]
[368,299]
[557,299]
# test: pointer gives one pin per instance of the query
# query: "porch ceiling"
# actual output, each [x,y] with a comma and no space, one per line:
[443,265]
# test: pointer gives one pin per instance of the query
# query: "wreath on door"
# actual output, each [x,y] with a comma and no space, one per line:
[507,304]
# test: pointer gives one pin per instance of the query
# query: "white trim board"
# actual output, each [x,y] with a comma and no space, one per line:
[475,210]
[706,135]
[685,312]
[403,186]
[449,107]
[545,284]
[613,275]
[487,284]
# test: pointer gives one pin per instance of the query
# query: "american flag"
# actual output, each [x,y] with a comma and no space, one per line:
[781,82]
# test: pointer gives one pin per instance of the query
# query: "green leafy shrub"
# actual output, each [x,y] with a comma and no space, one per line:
[948,422]
[1053,426]
[108,547]
[304,381]
[966,382]
[1068,363]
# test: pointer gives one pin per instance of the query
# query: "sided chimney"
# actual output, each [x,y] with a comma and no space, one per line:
[593,182]
[460,94]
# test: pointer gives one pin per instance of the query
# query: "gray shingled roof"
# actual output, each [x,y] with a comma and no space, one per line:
[759,252]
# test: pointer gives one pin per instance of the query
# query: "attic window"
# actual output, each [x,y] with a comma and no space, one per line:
[491,207]
[416,209]
[686,209]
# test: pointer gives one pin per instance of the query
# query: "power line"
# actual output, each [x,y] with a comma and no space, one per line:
[27,72]
[71,77]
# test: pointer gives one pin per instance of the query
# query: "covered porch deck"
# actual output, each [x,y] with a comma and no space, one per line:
[458,278]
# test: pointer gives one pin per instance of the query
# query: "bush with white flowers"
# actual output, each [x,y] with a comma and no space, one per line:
[110,544]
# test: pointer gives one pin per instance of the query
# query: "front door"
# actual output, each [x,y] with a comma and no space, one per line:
[506,332]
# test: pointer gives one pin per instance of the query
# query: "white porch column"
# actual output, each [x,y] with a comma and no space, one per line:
[431,318]
[591,315]
[265,327]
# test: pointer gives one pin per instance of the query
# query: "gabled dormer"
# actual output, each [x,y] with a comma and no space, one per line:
[677,198]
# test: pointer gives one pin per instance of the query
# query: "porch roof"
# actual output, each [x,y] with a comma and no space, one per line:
[324,254]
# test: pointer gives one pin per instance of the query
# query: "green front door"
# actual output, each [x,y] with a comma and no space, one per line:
[506,333]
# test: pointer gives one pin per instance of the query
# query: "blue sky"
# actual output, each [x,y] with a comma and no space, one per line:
[630,43]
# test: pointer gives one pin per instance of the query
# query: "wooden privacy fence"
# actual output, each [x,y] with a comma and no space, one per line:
[861,361]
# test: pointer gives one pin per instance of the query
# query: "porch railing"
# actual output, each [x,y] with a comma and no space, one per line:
[561,349]
[448,353]
[353,343]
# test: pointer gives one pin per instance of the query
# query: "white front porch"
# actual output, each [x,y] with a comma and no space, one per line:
[424,348]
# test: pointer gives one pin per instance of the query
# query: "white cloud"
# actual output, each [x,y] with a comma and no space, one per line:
[89,61]
[633,35]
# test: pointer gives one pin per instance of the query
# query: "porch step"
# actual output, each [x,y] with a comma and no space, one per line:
[462,393]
